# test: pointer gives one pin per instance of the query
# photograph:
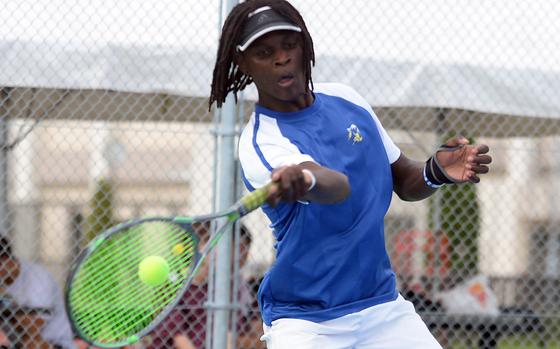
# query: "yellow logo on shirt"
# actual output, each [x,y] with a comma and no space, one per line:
[354,134]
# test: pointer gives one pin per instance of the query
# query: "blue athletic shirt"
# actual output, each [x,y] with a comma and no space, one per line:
[330,259]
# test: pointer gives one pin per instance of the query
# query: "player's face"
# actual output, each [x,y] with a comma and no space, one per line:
[275,63]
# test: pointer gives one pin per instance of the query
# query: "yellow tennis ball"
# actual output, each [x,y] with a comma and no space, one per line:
[153,270]
[178,249]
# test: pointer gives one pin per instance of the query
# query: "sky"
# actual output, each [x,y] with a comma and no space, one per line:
[503,33]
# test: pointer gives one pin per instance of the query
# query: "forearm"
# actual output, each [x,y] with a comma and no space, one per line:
[307,181]
[330,187]
[408,180]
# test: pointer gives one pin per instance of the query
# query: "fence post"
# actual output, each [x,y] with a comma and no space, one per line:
[221,299]
[4,149]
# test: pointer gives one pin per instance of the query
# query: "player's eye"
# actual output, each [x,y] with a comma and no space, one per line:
[263,53]
[290,45]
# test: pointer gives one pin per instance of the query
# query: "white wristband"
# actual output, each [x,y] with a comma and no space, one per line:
[313,179]
[428,182]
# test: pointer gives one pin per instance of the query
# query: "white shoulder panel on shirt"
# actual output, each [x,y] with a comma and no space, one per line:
[351,95]
[268,150]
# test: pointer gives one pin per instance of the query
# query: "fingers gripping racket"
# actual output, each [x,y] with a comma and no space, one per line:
[108,303]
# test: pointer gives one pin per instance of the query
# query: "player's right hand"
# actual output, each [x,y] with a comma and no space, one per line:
[291,185]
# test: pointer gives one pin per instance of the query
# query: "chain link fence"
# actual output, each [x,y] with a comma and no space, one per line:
[104,117]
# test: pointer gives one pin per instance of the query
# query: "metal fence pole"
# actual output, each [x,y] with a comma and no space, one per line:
[225,196]
[4,149]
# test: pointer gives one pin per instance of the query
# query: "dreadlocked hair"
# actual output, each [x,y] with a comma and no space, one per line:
[227,77]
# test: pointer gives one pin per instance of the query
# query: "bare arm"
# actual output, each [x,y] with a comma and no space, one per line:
[408,181]
[460,162]
[293,184]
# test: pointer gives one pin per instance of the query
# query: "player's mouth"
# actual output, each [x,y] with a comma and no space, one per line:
[286,80]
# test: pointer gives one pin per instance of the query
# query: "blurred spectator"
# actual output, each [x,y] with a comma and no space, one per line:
[185,326]
[33,314]
[250,326]
[419,293]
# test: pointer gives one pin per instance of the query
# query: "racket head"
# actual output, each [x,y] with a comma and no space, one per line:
[107,303]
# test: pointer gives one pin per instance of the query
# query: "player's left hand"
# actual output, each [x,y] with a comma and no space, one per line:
[462,161]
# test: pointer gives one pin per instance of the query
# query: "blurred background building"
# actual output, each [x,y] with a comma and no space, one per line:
[104,117]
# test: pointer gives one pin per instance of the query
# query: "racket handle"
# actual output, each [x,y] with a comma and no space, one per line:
[254,200]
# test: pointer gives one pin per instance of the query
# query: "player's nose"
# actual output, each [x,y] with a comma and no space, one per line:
[282,57]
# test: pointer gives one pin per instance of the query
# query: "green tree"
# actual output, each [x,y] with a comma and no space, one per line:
[454,211]
[100,217]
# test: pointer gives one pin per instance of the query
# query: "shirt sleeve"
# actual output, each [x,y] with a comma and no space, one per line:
[351,95]
[262,148]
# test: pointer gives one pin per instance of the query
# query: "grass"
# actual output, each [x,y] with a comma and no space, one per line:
[520,342]
[513,342]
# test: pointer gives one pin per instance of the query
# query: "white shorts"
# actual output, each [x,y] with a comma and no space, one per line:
[392,325]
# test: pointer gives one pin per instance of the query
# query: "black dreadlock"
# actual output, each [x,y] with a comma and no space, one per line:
[227,77]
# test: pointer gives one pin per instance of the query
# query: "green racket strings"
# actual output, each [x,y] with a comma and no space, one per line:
[108,301]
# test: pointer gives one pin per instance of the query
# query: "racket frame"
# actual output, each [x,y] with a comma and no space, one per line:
[245,205]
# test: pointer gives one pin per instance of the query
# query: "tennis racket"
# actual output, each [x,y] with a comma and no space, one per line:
[107,303]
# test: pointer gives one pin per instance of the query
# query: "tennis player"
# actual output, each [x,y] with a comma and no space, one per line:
[332,285]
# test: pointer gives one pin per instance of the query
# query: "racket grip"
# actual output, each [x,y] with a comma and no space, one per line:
[254,200]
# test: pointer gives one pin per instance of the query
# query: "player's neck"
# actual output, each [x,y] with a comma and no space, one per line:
[295,105]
